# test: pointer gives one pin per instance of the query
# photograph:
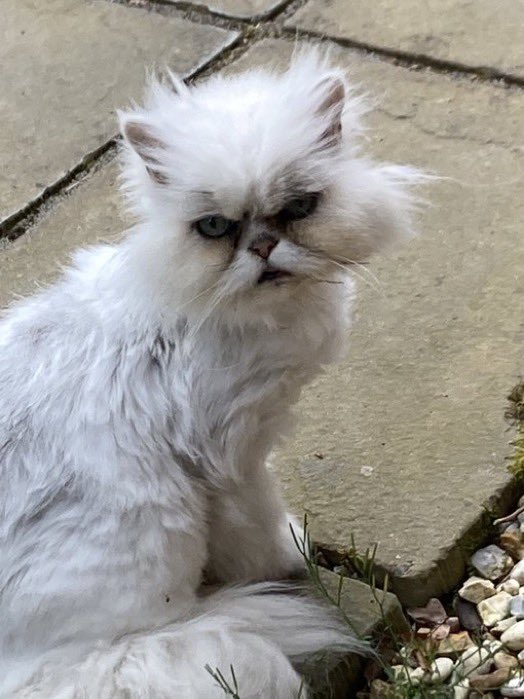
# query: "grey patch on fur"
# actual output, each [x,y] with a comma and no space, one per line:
[50,502]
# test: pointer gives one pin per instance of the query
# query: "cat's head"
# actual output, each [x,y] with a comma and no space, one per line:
[252,187]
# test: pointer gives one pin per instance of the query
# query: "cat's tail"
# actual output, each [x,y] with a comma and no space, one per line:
[245,642]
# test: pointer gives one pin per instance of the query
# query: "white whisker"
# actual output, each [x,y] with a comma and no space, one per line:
[354,263]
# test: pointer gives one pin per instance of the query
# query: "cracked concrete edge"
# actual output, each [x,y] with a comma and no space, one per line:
[372,615]
[415,587]
[275,9]
[195,12]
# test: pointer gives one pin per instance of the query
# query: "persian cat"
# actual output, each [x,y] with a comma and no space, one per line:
[141,395]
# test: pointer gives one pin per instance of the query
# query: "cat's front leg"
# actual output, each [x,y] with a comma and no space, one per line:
[250,534]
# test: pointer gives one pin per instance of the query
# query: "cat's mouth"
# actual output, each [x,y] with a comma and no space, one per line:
[271,274]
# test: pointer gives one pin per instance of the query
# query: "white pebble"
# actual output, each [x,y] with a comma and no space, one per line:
[461,690]
[510,586]
[440,669]
[495,608]
[513,638]
[504,625]
[475,660]
[517,573]
[513,687]
[520,658]
[516,607]
[492,646]
[476,589]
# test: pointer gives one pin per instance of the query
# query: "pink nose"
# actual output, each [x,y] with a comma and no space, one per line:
[263,245]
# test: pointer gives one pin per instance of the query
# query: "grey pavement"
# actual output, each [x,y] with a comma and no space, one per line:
[485,34]
[245,9]
[405,443]
[66,66]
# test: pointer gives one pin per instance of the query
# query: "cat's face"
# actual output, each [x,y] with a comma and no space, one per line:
[253,189]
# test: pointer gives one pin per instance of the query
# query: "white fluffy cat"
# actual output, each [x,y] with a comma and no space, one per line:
[141,394]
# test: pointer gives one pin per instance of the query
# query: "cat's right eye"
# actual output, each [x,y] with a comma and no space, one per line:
[216,226]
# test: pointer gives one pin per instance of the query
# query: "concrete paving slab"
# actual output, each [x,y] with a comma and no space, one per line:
[484,33]
[410,428]
[66,65]
[92,212]
[241,9]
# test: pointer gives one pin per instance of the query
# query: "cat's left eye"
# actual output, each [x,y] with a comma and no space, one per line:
[216,226]
[300,207]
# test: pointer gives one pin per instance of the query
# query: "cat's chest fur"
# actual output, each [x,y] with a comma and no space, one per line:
[229,393]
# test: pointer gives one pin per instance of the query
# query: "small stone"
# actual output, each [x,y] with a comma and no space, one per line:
[492,681]
[503,625]
[440,669]
[516,607]
[432,614]
[405,656]
[423,632]
[510,586]
[505,661]
[455,644]
[439,633]
[461,690]
[492,645]
[381,690]
[512,542]
[474,661]
[517,573]
[453,623]
[491,562]
[468,615]
[520,658]
[513,688]
[513,638]
[495,608]
[477,589]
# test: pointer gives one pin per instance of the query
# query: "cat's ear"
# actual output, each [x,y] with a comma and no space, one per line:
[140,135]
[333,98]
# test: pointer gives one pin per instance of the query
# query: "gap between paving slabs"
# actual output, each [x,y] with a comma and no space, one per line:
[246,10]
[38,52]
[212,15]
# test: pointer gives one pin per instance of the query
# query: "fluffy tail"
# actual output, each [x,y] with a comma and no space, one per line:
[250,638]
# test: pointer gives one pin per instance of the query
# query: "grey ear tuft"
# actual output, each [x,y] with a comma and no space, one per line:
[141,138]
[332,106]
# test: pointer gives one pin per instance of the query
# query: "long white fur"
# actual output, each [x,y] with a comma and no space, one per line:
[141,394]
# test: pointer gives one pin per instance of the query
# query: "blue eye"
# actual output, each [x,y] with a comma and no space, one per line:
[216,226]
[298,208]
